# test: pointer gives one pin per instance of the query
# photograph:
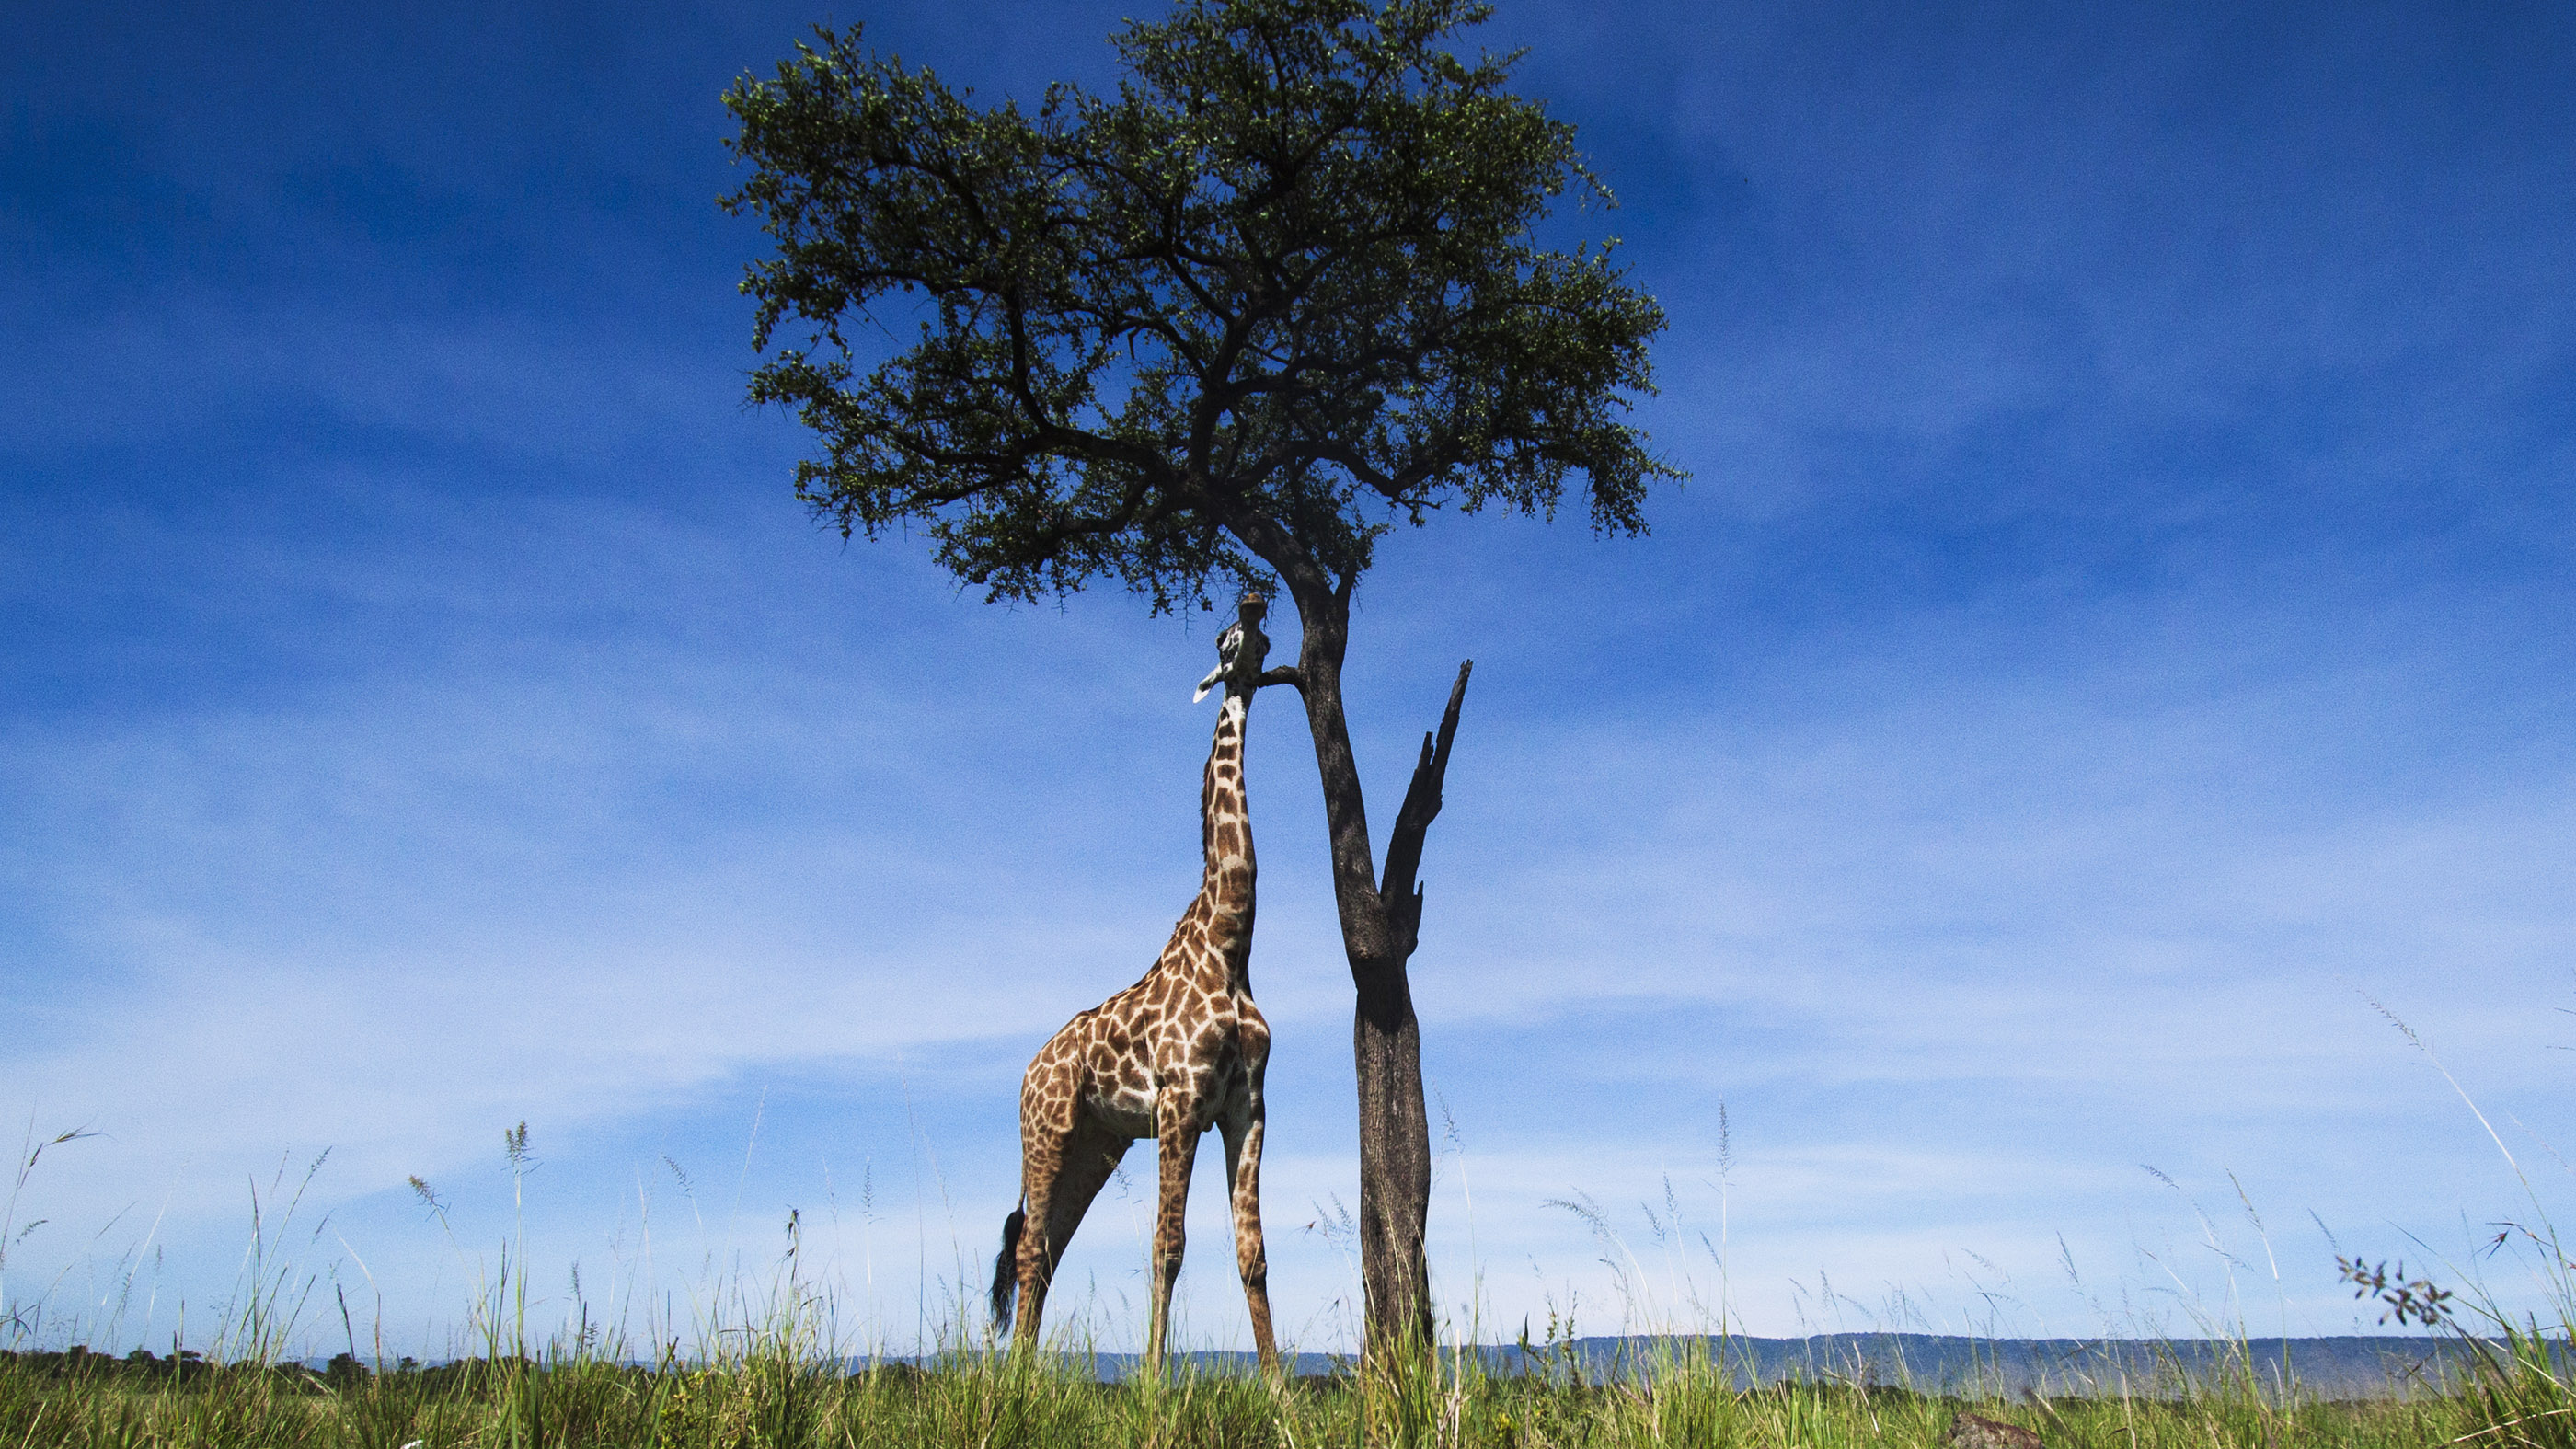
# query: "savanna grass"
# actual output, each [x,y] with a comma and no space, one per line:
[998,1400]
[769,1372]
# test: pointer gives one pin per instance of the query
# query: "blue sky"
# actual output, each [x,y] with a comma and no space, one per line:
[2117,628]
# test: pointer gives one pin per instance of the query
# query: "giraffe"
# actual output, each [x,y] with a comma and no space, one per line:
[1179,1052]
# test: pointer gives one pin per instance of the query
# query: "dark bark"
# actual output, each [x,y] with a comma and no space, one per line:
[1380,926]
[1421,807]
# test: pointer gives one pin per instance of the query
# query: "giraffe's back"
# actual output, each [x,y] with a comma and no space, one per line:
[1113,1062]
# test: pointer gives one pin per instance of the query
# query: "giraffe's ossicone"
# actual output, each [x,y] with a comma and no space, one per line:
[1179,1052]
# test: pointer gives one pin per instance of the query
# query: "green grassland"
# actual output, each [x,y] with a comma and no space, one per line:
[776,1393]
[769,1369]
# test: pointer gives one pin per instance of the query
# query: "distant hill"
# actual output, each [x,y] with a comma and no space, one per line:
[2352,1366]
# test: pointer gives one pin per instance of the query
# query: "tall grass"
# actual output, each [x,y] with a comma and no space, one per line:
[1001,1400]
[2519,1387]
[767,1370]
[765,1363]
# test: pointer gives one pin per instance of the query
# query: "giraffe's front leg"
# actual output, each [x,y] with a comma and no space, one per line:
[1243,1128]
[1176,1135]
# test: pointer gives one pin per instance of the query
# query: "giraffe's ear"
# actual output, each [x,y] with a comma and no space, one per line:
[1215,676]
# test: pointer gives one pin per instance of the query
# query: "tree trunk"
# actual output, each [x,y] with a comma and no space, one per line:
[1379,930]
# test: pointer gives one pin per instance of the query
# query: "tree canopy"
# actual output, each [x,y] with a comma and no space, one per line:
[1233,322]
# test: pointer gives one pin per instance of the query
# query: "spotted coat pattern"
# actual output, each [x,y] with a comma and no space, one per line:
[1179,1052]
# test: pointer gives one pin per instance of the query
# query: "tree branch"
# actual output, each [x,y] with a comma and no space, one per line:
[1403,898]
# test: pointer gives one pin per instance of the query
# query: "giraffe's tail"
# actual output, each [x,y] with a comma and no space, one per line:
[1006,1267]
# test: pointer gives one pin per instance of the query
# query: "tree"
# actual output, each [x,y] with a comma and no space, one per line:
[1221,329]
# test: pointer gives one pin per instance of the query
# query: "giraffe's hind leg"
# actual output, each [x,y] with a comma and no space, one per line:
[1084,1158]
[1177,1147]
[1243,1131]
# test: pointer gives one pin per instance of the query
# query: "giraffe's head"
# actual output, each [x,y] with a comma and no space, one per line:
[1240,651]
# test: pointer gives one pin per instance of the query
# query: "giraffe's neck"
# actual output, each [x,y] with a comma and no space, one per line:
[1225,834]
